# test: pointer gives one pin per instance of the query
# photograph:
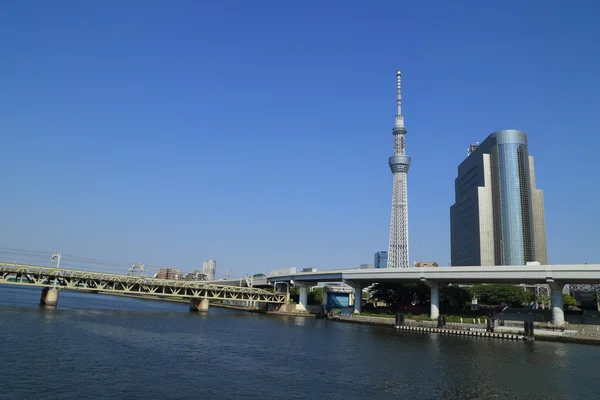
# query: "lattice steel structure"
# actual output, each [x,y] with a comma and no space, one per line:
[399,164]
[137,269]
[87,281]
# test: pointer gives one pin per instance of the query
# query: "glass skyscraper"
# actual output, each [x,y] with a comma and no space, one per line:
[498,214]
[381,258]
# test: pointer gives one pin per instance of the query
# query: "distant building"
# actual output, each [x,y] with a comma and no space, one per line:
[425,264]
[197,275]
[168,273]
[381,258]
[209,269]
[366,266]
[498,214]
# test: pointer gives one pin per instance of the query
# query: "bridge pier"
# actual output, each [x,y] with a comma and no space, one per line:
[357,297]
[303,297]
[49,297]
[197,304]
[558,315]
[434,308]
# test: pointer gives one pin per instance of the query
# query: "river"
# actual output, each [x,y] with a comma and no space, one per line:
[95,346]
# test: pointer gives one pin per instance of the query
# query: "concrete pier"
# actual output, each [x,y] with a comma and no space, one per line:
[197,304]
[558,315]
[357,297]
[49,297]
[303,300]
[434,310]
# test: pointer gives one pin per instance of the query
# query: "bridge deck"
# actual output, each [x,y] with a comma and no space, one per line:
[573,273]
[88,281]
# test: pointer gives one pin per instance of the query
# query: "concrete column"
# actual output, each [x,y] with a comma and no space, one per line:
[434,310]
[558,315]
[49,297]
[325,295]
[303,297]
[197,304]
[357,297]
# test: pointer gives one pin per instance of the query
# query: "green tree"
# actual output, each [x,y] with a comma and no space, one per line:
[454,296]
[294,294]
[530,297]
[315,297]
[498,294]
[400,294]
[569,301]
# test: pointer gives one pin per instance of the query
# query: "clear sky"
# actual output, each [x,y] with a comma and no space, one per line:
[257,133]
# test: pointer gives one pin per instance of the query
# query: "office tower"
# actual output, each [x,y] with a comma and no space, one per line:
[381,258]
[399,164]
[498,214]
[209,268]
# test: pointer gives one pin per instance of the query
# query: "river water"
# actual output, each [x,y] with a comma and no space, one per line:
[96,346]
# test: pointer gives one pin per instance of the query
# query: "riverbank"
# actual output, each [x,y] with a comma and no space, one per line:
[566,336]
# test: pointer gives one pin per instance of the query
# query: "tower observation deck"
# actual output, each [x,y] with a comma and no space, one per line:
[399,164]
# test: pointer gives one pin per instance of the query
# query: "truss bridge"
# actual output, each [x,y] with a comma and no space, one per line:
[52,280]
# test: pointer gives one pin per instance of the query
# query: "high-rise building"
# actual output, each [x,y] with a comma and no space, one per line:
[498,214]
[399,164]
[209,268]
[381,258]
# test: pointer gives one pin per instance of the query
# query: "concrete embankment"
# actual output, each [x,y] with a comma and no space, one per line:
[573,334]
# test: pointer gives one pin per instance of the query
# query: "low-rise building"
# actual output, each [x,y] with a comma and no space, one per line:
[197,275]
[168,273]
[425,264]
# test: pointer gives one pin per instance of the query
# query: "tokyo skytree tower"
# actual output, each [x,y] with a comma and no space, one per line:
[399,164]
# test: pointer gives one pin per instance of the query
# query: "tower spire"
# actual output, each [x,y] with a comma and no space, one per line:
[399,116]
[399,164]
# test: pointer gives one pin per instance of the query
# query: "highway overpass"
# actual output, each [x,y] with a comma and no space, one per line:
[556,276]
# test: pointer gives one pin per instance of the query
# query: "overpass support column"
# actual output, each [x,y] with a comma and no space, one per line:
[434,310]
[558,315]
[303,297]
[197,304]
[49,297]
[357,297]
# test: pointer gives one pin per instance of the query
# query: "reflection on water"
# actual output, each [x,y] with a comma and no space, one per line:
[300,321]
[149,349]
[48,313]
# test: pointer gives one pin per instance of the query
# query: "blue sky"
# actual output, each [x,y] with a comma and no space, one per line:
[257,133]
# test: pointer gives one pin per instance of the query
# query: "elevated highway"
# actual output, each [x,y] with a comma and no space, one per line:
[556,276]
[569,273]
